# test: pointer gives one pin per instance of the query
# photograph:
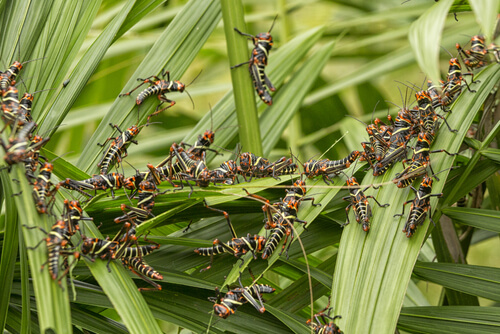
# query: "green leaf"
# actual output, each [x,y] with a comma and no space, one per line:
[482,171]
[149,224]
[291,321]
[244,98]
[475,280]
[425,38]
[480,218]
[10,244]
[486,15]
[449,319]
[14,321]
[52,300]
[471,165]
[293,298]
[492,154]
[141,8]
[95,322]
[414,296]
[63,168]
[25,287]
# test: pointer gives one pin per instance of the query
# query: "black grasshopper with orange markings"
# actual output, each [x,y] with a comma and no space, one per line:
[452,87]
[43,189]
[239,296]
[120,248]
[144,271]
[236,246]
[419,161]
[282,166]
[159,87]
[25,105]
[147,193]
[225,173]
[191,170]
[133,182]
[428,117]
[403,130]
[118,147]
[377,141]
[184,168]
[435,97]
[10,107]
[8,78]
[131,218]
[255,166]
[115,249]
[420,205]
[168,171]
[252,166]
[475,57]
[327,167]
[296,195]
[282,224]
[327,326]
[199,149]
[263,43]
[32,160]
[59,238]
[73,213]
[359,203]
[379,134]
[110,181]
[280,217]
[20,147]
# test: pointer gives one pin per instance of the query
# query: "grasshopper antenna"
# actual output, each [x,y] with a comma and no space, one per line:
[357,119]
[407,85]
[374,108]
[194,79]
[444,170]
[190,85]
[272,25]
[448,52]
[42,90]
[335,143]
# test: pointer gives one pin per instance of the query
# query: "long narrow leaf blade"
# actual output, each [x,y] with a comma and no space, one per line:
[476,280]
[424,37]
[450,319]
[480,218]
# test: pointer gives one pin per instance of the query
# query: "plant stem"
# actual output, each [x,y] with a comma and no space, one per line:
[244,96]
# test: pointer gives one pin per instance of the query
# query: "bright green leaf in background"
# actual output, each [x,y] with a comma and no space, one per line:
[424,38]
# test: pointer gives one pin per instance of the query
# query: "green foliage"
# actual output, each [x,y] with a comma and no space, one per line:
[322,67]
